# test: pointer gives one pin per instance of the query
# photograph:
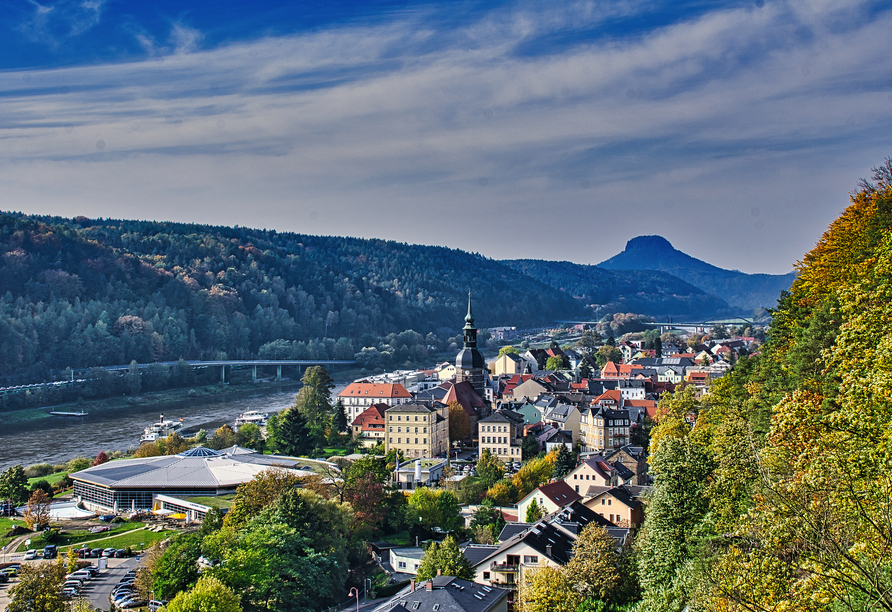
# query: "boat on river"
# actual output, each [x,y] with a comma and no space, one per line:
[161,429]
[252,416]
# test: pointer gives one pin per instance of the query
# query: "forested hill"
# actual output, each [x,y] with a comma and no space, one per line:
[87,292]
[642,291]
[747,291]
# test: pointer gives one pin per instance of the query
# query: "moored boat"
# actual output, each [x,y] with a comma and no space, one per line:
[252,416]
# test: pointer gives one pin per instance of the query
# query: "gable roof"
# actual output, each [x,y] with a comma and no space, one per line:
[377,390]
[558,492]
[446,594]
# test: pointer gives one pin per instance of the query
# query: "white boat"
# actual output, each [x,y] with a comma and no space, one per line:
[252,416]
[161,429]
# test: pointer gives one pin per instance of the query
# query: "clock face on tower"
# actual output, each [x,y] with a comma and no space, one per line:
[467,372]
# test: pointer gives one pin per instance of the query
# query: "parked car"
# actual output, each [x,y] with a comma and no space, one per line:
[4,578]
[30,554]
[132,603]
[155,604]
[50,551]
[96,553]
[109,552]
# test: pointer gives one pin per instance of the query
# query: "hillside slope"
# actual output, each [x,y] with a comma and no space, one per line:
[641,291]
[745,291]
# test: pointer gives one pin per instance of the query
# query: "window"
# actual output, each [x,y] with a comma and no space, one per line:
[416,440]
[402,564]
[609,502]
[399,418]
[424,441]
[530,560]
[416,417]
[603,501]
[485,577]
[424,430]
[399,440]
[390,429]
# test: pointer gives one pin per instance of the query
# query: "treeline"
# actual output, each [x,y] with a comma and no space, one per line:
[649,292]
[777,498]
[80,293]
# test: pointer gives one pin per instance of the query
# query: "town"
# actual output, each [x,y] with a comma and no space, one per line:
[530,462]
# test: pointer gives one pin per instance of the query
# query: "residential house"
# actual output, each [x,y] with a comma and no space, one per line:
[592,471]
[358,396]
[527,390]
[369,426]
[634,458]
[616,504]
[417,430]
[509,363]
[549,497]
[447,594]
[565,417]
[498,435]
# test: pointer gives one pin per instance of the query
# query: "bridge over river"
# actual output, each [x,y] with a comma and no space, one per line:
[195,364]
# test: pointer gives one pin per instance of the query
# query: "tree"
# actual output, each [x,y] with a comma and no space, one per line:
[258,493]
[489,518]
[534,512]
[224,437]
[339,424]
[593,569]
[174,444]
[313,401]
[37,511]
[557,362]
[14,485]
[533,473]
[177,570]
[101,458]
[547,589]
[608,353]
[588,342]
[502,493]
[435,508]
[71,561]
[293,435]
[585,370]
[508,350]
[529,448]
[209,595]
[459,423]
[39,589]
[489,468]
[78,463]
[447,559]
[249,435]
[564,462]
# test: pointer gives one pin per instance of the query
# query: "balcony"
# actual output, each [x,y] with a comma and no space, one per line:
[503,567]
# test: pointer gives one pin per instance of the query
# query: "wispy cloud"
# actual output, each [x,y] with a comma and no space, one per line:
[55,21]
[421,133]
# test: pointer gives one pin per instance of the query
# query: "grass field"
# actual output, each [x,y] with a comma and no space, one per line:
[223,501]
[81,536]
[50,478]
[400,539]
[135,540]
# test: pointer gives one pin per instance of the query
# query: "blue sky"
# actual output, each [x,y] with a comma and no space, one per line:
[551,130]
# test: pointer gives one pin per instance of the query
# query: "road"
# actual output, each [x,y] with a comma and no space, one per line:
[97,590]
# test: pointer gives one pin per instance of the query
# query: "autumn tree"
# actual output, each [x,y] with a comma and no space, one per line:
[533,473]
[445,559]
[39,588]
[37,510]
[459,423]
[547,589]
[208,595]
[593,569]
[101,457]
[508,350]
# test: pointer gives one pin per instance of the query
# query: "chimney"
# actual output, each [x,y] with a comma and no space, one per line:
[411,586]
[548,551]
[439,572]
[429,585]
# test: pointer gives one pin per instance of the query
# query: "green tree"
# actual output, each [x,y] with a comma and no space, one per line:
[258,493]
[14,485]
[435,508]
[564,462]
[489,517]
[177,570]
[558,362]
[339,424]
[208,595]
[447,559]
[529,448]
[547,589]
[489,468]
[292,434]
[39,588]
[78,463]
[313,401]
[534,512]
[508,350]
[249,435]
[608,353]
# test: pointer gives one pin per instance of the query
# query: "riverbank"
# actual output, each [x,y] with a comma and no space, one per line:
[155,398]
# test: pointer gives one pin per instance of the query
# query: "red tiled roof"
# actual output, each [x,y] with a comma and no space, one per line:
[378,390]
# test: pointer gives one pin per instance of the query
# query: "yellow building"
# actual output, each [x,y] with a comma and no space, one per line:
[418,431]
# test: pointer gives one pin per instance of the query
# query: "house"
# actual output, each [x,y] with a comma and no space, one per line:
[549,497]
[405,560]
[596,470]
[616,504]
[498,435]
[557,439]
[604,427]
[464,394]
[546,542]
[632,457]
[446,371]
[417,431]
[447,594]
[369,426]
[509,363]
[529,389]
[565,417]
[358,396]
[419,473]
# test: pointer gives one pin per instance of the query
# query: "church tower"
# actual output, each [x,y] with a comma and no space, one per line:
[469,363]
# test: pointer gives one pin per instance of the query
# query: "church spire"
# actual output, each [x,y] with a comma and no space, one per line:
[469,318]
[470,331]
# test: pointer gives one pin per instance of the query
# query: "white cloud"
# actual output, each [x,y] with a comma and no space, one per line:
[686,126]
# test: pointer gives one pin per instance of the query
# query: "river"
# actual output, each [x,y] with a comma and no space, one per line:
[57,439]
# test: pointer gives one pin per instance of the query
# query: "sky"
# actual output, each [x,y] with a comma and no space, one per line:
[550,130]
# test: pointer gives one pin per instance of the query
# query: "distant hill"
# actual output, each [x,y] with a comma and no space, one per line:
[640,291]
[744,291]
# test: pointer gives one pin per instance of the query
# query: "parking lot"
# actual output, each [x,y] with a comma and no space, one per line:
[96,590]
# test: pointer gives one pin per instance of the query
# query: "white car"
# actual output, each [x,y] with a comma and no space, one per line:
[31,554]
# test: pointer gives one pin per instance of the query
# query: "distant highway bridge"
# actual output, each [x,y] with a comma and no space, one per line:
[195,364]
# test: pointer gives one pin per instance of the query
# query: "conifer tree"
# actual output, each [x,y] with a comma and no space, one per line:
[448,559]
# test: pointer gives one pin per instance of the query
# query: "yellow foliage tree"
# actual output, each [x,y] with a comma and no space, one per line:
[547,589]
